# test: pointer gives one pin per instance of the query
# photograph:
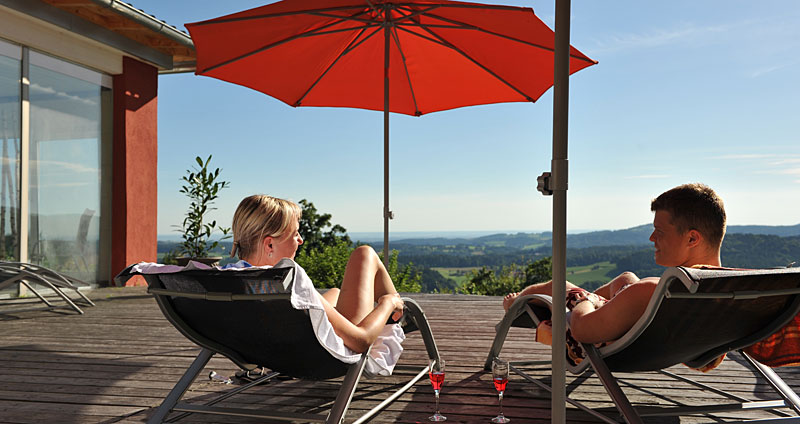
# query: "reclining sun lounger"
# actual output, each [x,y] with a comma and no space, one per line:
[248,316]
[13,273]
[695,316]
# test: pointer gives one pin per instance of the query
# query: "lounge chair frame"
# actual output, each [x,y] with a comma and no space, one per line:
[684,284]
[28,274]
[413,319]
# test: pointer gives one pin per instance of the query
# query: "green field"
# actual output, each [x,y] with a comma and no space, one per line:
[457,274]
[581,274]
[575,274]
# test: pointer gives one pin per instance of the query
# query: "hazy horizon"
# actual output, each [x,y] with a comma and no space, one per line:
[375,236]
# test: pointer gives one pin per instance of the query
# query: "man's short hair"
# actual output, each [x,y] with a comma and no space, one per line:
[694,206]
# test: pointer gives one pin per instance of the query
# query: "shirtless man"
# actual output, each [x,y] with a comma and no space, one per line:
[688,228]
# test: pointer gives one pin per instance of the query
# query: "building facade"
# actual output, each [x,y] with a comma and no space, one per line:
[78,127]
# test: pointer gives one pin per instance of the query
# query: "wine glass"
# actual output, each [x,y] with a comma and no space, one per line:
[436,375]
[500,378]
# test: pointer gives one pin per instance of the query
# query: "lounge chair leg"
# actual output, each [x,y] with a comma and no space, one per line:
[776,382]
[346,392]
[181,386]
[421,321]
[43,281]
[517,309]
[85,299]
[499,339]
[610,383]
[42,298]
[69,284]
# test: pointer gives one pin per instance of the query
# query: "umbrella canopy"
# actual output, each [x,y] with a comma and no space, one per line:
[410,57]
[442,54]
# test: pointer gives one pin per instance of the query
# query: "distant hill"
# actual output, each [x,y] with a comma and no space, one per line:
[503,243]
[638,235]
[771,230]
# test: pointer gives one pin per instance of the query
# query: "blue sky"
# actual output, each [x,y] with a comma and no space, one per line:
[697,90]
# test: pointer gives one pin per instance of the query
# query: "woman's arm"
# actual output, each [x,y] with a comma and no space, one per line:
[359,337]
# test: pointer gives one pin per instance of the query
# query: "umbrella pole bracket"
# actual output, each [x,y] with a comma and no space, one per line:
[544,184]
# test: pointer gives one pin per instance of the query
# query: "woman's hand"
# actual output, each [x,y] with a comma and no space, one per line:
[397,305]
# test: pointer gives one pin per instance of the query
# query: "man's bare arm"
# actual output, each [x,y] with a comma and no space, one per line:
[615,318]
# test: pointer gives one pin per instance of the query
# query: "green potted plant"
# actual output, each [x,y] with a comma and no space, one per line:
[202,187]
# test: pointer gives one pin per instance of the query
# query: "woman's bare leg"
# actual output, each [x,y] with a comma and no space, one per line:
[332,296]
[365,280]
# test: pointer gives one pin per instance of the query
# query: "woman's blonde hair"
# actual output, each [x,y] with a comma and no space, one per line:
[260,216]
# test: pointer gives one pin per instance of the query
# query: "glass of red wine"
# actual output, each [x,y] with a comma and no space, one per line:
[436,375]
[500,378]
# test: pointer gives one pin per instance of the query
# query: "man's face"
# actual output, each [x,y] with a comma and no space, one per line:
[671,246]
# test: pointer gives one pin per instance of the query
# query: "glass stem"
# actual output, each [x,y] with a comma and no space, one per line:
[437,401]
[501,403]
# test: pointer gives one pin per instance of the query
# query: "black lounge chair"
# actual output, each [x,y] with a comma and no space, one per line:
[14,273]
[283,341]
[694,316]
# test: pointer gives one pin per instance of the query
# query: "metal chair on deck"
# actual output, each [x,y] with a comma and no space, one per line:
[694,317]
[14,273]
[247,316]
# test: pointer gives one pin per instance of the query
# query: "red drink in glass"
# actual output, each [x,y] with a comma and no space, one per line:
[437,378]
[500,384]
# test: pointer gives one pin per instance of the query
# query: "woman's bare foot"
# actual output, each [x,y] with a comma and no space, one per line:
[509,299]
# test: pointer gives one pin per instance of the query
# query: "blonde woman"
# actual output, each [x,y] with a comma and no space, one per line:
[265,231]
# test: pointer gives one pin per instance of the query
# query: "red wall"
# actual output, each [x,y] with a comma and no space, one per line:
[134,198]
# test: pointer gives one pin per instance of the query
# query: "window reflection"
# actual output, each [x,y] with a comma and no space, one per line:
[65,172]
[10,77]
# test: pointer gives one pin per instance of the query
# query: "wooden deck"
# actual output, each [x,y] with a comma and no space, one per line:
[116,363]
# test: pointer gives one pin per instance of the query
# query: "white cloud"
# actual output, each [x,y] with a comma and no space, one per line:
[50,165]
[747,156]
[647,177]
[785,161]
[656,38]
[766,70]
[790,171]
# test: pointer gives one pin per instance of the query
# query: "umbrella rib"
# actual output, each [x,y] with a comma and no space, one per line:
[405,68]
[489,71]
[276,15]
[496,34]
[223,20]
[311,33]
[353,44]
[424,37]
[268,46]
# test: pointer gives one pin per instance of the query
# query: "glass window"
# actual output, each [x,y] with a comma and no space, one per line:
[10,80]
[65,166]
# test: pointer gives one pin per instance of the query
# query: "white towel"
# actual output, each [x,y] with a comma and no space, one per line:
[385,351]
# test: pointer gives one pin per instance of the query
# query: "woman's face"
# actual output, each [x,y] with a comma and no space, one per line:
[286,245]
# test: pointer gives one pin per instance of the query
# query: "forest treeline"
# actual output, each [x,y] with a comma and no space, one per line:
[500,263]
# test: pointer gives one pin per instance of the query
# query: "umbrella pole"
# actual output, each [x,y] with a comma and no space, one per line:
[387,214]
[559,177]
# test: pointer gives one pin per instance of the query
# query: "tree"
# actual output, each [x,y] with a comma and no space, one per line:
[202,187]
[539,271]
[312,229]
[508,279]
[326,264]
[489,282]
[324,254]
[406,278]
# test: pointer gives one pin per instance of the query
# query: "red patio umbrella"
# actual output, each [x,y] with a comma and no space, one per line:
[410,57]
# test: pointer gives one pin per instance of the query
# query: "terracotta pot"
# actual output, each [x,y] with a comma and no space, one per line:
[210,261]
